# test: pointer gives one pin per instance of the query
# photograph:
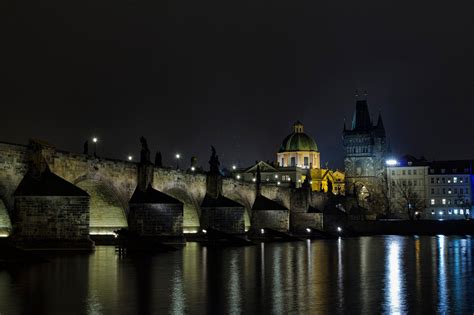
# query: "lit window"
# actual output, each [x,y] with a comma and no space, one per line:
[450,211]
[455,179]
[432,212]
[443,201]
[461,211]
[441,212]
[432,201]
[449,191]
[455,211]
[467,211]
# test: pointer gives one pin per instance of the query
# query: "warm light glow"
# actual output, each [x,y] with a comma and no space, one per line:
[234,167]
[278,183]
[95,140]
[204,231]
[276,175]
[308,230]
[253,179]
[262,231]
[178,155]
[193,168]
[130,157]
[391,162]
[238,176]
[4,234]
[339,229]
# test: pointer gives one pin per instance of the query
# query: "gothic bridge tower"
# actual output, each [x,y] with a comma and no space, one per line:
[365,147]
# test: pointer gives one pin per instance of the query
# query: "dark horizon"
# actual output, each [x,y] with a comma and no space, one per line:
[237,75]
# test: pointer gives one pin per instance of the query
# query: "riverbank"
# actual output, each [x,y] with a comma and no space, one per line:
[421,227]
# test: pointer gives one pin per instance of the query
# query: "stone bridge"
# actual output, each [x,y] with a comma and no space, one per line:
[110,184]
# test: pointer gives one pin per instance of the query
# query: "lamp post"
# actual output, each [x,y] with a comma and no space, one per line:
[178,156]
[130,157]
[95,145]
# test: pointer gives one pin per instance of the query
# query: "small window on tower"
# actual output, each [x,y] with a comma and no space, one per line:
[306,161]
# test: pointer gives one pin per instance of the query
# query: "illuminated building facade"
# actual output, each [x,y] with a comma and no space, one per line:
[407,186]
[450,190]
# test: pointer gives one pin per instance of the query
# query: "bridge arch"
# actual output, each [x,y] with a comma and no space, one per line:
[107,210]
[191,207]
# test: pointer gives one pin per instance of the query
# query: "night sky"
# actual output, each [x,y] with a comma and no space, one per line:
[236,74]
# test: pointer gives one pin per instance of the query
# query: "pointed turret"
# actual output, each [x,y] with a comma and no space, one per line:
[361,120]
[380,127]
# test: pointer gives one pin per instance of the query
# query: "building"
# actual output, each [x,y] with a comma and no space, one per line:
[298,150]
[365,152]
[407,187]
[450,190]
[298,158]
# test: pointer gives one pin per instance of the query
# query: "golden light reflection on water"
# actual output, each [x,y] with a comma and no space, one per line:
[359,275]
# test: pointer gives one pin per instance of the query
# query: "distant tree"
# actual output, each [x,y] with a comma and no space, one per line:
[408,199]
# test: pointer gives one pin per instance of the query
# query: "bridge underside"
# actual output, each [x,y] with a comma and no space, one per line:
[106,212]
[5,224]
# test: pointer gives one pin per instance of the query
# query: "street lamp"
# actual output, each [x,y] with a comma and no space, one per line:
[130,157]
[234,167]
[178,156]
[95,140]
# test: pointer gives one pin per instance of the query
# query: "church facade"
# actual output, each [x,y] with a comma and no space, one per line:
[366,148]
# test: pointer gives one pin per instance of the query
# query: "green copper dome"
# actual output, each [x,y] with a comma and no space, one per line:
[298,141]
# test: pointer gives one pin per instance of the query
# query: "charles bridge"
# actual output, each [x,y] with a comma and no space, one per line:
[110,184]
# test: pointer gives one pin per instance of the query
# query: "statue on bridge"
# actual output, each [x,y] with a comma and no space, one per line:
[145,152]
[158,160]
[214,161]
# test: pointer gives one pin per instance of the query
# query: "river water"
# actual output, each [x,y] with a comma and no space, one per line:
[384,274]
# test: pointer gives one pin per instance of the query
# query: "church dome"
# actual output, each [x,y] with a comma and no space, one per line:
[298,140]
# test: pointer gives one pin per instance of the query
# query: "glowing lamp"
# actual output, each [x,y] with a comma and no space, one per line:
[339,229]
[391,162]
[262,231]
[204,231]
[308,230]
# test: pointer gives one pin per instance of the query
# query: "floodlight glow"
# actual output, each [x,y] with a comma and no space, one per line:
[339,229]
[391,162]
[95,140]
[308,230]
[238,176]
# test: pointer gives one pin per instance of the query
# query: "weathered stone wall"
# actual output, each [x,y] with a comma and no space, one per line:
[13,167]
[224,219]
[300,221]
[51,218]
[156,219]
[273,219]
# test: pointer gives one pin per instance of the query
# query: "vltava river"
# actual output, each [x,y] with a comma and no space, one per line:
[386,274]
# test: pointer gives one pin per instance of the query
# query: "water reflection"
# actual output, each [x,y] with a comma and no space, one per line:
[395,292]
[358,275]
